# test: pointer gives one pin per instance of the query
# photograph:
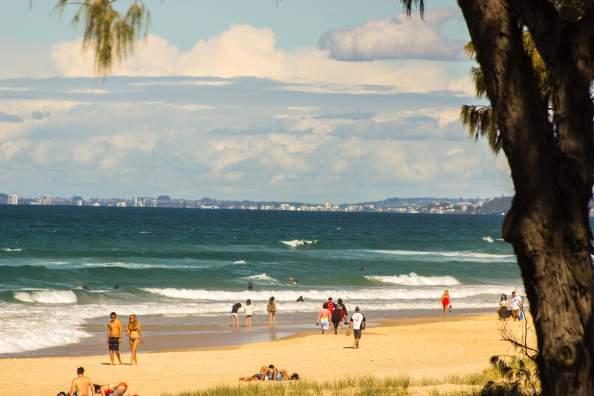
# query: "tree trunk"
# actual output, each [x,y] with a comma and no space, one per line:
[551,168]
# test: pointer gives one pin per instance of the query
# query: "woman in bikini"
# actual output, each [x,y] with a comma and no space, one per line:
[115,389]
[134,331]
[446,301]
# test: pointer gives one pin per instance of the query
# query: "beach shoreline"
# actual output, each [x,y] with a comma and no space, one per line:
[167,334]
[416,347]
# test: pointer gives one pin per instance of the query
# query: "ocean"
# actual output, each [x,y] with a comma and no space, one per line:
[62,268]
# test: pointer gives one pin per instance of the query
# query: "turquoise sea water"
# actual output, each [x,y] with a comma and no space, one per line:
[77,263]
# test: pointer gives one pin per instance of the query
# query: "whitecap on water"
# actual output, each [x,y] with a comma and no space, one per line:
[413,279]
[299,242]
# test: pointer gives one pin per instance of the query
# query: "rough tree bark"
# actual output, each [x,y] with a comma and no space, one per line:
[551,165]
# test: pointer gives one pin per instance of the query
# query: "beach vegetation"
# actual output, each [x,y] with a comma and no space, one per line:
[546,136]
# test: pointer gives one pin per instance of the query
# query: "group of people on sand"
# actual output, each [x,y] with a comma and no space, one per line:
[114,335]
[514,307]
[248,311]
[83,385]
[271,373]
[337,314]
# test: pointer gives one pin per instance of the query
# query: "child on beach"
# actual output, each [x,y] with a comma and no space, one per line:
[249,312]
[446,302]
[271,309]
[235,315]
[324,317]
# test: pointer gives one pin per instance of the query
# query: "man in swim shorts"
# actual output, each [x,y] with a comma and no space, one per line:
[358,324]
[114,334]
[81,385]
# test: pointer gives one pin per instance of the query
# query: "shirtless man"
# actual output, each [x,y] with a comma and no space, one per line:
[114,333]
[83,386]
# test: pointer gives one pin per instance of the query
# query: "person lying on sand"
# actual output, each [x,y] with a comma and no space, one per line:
[271,373]
[114,389]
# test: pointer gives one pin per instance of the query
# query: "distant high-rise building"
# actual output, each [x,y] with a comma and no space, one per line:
[13,199]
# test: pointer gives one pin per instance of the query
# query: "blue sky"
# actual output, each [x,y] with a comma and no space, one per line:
[300,100]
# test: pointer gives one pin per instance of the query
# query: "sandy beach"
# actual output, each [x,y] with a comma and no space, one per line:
[419,348]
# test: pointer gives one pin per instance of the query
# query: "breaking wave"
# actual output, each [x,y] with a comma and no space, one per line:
[413,279]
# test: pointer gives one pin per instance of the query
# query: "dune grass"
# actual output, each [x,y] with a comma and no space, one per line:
[362,386]
[452,385]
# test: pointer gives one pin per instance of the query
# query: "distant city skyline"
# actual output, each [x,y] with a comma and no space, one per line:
[268,100]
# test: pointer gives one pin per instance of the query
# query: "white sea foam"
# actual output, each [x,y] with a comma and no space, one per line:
[239,262]
[46,296]
[145,232]
[370,294]
[261,278]
[11,250]
[457,256]
[413,279]
[299,242]
[488,238]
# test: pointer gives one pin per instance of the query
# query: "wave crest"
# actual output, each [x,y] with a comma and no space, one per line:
[46,297]
[413,279]
[299,242]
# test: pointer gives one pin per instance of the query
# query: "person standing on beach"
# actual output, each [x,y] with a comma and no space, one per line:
[271,308]
[357,323]
[331,305]
[82,385]
[114,333]
[235,315]
[446,302]
[134,332]
[249,312]
[516,305]
[324,317]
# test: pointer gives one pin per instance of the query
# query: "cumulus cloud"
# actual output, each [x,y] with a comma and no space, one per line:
[398,37]
[248,51]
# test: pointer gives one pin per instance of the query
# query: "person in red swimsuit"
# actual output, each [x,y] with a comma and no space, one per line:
[115,389]
[445,302]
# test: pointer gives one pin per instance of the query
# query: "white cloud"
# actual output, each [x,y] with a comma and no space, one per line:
[398,37]
[247,51]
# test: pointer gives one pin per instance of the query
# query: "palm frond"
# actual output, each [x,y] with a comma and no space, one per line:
[408,5]
[469,50]
[480,121]
[110,34]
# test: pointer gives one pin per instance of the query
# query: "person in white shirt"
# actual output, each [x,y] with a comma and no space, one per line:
[357,323]
[248,309]
[516,305]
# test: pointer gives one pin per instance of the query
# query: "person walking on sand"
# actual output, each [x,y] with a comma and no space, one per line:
[357,323]
[114,333]
[81,385]
[134,331]
[271,309]
[324,317]
[235,315]
[336,318]
[446,302]
[249,312]
[516,305]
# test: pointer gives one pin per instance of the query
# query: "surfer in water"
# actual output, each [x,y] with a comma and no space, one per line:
[292,280]
[250,286]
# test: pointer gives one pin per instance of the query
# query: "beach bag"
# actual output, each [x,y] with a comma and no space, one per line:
[522,315]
